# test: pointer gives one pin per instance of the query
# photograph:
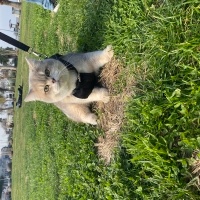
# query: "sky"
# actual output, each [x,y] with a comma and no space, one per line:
[5,16]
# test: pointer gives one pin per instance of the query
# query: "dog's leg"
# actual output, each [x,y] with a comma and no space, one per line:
[77,112]
[99,94]
[91,61]
[99,58]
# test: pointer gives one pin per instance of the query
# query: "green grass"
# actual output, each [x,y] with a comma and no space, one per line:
[158,42]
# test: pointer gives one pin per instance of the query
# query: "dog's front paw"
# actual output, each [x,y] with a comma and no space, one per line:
[106,99]
[109,52]
[105,95]
[91,119]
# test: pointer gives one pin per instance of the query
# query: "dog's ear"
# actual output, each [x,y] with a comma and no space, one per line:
[32,63]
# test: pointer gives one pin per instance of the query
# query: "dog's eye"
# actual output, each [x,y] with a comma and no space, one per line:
[46,88]
[47,72]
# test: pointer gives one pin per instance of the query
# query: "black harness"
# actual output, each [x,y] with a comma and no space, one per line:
[85,81]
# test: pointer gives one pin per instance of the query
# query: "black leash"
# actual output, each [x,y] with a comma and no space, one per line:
[85,81]
[28,49]
[19,44]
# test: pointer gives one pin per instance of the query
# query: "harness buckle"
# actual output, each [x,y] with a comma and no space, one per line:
[78,77]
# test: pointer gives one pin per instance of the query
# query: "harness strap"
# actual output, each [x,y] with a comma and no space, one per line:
[68,65]
[85,81]
[84,88]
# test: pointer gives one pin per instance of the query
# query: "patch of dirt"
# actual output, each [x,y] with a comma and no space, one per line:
[112,116]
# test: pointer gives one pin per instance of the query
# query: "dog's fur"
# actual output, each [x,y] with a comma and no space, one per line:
[61,82]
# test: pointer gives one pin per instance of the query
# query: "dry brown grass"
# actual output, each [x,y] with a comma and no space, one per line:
[195,165]
[112,116]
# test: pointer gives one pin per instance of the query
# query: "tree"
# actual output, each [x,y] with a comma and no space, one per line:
[8,51]
[6,54]
[16,5]
[9,108]
[3,59]
[4,90]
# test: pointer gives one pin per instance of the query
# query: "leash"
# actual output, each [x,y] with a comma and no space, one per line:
[19,45]
[28,49]
[85,81]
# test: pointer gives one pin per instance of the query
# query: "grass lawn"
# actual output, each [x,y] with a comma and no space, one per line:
[157,63]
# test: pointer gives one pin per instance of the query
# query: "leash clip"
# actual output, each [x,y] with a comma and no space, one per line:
[30,51]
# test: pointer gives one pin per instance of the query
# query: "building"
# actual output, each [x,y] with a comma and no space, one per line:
[16,12]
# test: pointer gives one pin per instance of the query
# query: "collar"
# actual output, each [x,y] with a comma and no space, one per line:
[85,81]
[68,65]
